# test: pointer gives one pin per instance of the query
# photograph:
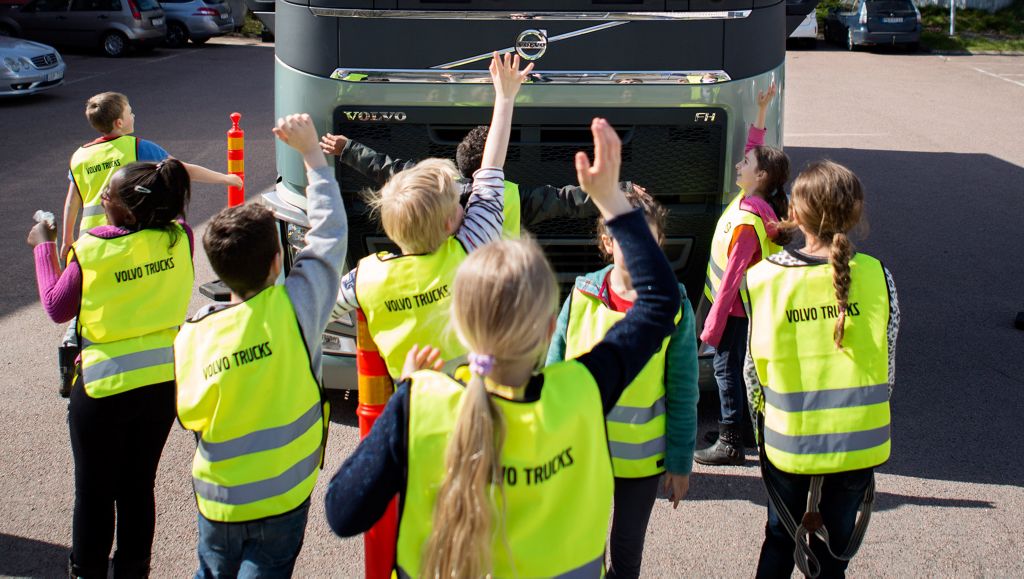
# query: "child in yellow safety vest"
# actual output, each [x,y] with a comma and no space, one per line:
[249,376]
[745,234]
[129,284]
[653,428]
[405,297]
[508,474]
[819,371]
[91,166]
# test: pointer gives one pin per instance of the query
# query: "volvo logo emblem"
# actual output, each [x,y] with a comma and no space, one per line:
[532,44]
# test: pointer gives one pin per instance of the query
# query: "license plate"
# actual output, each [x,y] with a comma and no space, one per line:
[54,76]
[892,20]
[158,22]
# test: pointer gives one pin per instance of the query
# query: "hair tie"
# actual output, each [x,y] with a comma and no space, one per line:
[480,364]
[160,164]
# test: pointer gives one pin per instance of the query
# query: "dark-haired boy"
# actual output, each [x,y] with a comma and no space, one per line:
[248,376]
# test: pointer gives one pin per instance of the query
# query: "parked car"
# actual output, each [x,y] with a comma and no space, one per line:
[874,22]
[807,32]
[196,20]
[114,26]
[28,67]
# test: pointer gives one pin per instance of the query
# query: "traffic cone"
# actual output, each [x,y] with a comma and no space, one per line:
[236,160]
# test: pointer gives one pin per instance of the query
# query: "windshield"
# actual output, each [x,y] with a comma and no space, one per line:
[891,6]
[145,5]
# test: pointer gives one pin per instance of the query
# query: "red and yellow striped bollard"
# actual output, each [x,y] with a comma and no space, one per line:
[375,388]
[236,160]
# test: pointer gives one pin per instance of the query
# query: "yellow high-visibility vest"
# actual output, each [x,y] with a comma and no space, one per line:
[826,409]
[135,294]
[732,218]
[246,386]
[510,227]
[91,168]
[406,298]
[636,426]
[557,475]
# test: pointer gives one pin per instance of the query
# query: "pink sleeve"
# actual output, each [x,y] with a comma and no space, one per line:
[61,294]
[755,138]
[745,250]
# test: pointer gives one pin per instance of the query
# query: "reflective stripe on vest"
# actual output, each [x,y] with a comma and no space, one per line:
[91,168]
[636,426]
[510,227]
[406,298]
[826,410]
[246,386]
[135,293]
[557,475]
[732,218]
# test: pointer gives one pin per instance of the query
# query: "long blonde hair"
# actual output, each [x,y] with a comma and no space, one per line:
[828,200]
[416,204]
[505,297]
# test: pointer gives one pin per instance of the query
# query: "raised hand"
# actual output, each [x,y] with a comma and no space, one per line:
[506,76]
[600,180]
[333,144]
[40,233]
[764,97]
[425,358]
[297,131]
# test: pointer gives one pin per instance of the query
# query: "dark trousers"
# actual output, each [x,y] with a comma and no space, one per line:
[116,442]
[265,548]
[634,500]
[841,497]
[728,365]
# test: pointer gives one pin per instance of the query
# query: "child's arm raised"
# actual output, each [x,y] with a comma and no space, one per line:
[507,79]
[618,358]
[313,280]
[764,98]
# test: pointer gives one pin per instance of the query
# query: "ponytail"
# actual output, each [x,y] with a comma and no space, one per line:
[460,540]
[157,194]
[780,205]
[839,258]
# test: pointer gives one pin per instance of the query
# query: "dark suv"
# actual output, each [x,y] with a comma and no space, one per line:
[114,26]
[874,23]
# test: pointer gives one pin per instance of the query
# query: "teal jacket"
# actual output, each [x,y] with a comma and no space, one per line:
[681,391]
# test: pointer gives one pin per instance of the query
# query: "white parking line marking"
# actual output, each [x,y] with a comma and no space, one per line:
[994,75]
[162,58]
[836,134]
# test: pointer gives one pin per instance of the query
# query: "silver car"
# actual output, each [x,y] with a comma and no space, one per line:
[196,20]
[114,26]
[28,67]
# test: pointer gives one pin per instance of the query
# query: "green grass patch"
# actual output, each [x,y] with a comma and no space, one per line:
[969,42]
[1006,22]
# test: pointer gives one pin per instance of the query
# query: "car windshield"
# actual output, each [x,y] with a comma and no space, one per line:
[145,5]
[891,6]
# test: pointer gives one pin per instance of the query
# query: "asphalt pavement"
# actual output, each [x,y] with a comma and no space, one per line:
[938,144]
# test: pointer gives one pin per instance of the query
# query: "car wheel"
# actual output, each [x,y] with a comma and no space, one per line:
[810,43]
[199,41]
[114,44]
[913,47]
[177,35]
[850,44]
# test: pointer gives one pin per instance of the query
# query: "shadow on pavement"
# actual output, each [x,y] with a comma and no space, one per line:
[22,557]
[726,487]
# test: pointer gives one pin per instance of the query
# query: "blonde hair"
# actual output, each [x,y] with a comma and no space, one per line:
[505,297]
[416,204]
[104,109]
[828,200]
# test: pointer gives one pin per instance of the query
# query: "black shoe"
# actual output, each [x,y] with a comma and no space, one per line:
[711,437]
[725,451]
[66,355]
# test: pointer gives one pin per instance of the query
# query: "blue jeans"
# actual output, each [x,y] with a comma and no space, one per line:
[841,496]
[264,548]
[728,364]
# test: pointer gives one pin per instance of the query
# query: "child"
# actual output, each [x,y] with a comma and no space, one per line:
[653,428]
[249,377]
[745,234]
[91,166]
[129,283]
[820,382]
[524,207]
[405,297]
[525,485]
